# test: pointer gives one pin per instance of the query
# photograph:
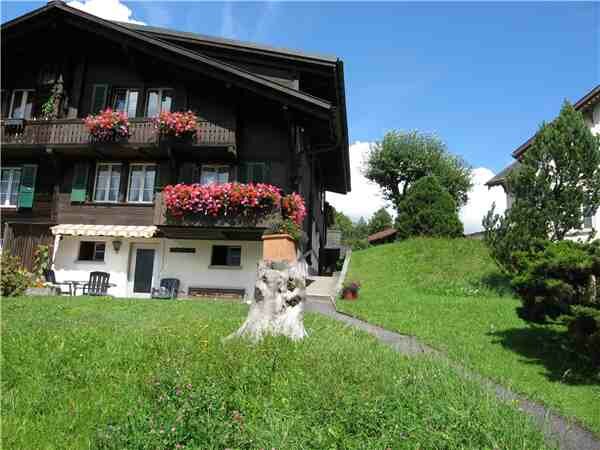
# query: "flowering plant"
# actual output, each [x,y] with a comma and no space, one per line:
[108,125]
[292,206]
[218,200]
[177,124]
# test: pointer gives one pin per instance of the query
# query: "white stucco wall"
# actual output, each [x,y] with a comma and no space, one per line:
[192,269]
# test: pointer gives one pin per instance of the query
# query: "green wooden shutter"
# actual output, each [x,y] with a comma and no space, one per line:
[243,172]
[188,172]
[99,96]
[163,176]
[80,182]
[267,172]
[27,187]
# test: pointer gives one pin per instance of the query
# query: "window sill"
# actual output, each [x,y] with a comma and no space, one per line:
[8,207]
[226,267]
[86,261]
[117,203]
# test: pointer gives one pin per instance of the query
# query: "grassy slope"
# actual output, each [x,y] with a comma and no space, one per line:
[99,373]
[450,294]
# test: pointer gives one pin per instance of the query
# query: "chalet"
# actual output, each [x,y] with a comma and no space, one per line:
[589,106]
[264,115]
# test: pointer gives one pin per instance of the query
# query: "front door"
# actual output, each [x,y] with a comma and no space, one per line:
[143,270]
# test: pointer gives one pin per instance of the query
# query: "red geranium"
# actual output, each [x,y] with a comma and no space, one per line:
[177,124]
[108,125]
[292,206]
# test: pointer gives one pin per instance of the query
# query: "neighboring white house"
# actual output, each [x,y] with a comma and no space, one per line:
[589,106]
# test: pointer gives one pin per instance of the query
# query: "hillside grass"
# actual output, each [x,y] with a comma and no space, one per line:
[450,294]
[85,373]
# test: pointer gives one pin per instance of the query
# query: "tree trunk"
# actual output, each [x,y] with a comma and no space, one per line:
[278,305]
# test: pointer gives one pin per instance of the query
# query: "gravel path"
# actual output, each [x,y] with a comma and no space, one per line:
[558,430]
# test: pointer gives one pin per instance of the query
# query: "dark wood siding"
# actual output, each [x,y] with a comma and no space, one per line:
[23,239]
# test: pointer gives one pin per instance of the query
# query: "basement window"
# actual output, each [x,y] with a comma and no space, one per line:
[91,251]
[226,255]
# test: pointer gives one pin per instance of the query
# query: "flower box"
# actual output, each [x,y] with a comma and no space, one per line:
[279,247]
[108,126]
[177,126]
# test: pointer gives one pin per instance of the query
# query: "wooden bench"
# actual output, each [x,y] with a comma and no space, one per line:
[216,292]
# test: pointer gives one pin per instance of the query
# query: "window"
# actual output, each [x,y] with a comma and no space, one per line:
[10,180]
[21,103]
[214,174]
[108,180]
[91,251]
[254,172]
[125,100]
[587,222]
[158,100]
[141,183]
[225,255]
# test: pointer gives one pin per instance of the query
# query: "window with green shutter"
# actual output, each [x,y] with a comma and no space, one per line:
[80,182]
[254,172]
[27,188]
[99,96]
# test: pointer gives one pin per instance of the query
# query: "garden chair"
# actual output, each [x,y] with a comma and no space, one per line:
[97,285]
[51,278]
[169,287]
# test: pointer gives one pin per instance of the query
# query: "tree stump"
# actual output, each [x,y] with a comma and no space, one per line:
[278,305]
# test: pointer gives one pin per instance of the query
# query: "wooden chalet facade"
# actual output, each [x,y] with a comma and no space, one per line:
[264,115]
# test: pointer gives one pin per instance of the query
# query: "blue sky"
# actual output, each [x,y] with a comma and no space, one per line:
[480,75]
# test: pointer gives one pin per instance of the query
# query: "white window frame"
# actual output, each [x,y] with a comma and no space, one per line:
[127,92]
[10,180]
[214,166]
[591,220]
[23,103]
[160,93]
[111,165]
[141,195]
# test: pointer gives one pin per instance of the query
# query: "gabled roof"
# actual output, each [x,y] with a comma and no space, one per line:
[150,42]
[245,78]
[500,178]
[212,41]
[589,99]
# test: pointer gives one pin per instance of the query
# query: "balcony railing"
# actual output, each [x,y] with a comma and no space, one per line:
[161,217]
[72,132]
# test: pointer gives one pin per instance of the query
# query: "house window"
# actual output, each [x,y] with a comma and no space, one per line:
[21,103]
[108,180]
[226,255]
[213,174]
[91,251]
[587,222]
[10,180]
[125,100]
[158,100]
[141,183]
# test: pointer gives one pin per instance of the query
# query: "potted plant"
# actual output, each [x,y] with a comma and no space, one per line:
[279,240]
[177,125]
[108,126]
[350,290]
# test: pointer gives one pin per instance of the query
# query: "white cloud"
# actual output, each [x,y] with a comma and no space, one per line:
[480,200]
[106,9]
[365,197]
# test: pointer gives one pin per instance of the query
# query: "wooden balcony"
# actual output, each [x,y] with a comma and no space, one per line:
[73,133]
[198,226]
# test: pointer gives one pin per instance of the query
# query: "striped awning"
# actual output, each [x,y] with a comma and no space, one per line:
[126,231]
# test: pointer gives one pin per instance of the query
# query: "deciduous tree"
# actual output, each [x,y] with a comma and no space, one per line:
[401,159]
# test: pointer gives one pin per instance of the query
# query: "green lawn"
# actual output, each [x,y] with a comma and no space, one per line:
[132,374]
[450,294]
